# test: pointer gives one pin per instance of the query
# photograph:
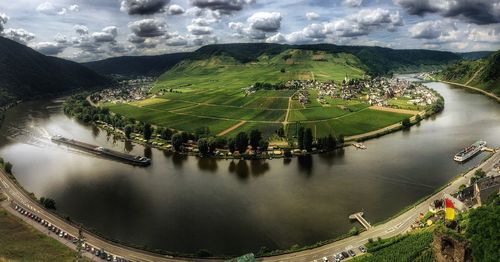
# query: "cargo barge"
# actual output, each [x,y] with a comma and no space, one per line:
[469,151]
[103,152]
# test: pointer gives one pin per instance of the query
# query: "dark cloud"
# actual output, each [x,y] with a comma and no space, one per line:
[49,48]
[479,12]
[81,29]
[148,28]
[428,30]
[143,7]
[223,6]
[19,35]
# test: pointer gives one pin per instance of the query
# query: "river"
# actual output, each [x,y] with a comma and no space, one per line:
[186,204]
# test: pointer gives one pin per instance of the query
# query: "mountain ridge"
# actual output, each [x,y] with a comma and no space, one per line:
[379,60]
[26,73]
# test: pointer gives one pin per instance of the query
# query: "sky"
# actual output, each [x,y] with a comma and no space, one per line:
[86,30]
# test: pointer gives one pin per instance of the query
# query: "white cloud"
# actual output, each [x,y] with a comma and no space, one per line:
[200,30]
[176,10]
[352,3]
[265,21]
[3,20]
[312,16]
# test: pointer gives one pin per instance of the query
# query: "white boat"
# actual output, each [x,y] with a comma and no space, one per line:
[469,151]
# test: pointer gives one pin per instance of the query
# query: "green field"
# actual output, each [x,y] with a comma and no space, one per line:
[20,242]
[211,93]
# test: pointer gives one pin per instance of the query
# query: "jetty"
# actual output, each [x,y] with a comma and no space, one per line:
[359,216]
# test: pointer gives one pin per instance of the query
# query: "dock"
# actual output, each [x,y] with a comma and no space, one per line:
[359,216]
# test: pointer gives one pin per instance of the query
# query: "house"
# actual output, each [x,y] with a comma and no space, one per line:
[486,187]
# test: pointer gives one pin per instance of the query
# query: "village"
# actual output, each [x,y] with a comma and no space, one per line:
[376,92]
[126,91]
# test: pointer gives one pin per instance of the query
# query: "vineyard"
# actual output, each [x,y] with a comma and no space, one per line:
[410,247]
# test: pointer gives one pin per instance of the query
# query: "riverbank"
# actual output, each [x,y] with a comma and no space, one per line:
[272,152]
[489,94]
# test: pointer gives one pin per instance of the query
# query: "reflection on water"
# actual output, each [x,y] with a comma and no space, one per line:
[234,206]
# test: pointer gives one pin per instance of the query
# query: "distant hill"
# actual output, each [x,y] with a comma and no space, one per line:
[483,73]
[137,65]
[378,60]
[25,73]
[475,55]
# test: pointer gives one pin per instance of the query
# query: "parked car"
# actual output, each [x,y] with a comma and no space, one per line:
[362,249]
[351,253]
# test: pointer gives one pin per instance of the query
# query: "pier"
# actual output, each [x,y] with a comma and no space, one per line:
[359,216]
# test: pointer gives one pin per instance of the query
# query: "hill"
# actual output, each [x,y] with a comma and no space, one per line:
[293,64]
[137,65]
[26,73]
[377,60]
[483,73]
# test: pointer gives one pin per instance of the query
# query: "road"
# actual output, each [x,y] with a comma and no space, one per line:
[395,226]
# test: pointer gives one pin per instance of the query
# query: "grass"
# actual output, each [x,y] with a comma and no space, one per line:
[20,242]
[402,103]
[350,124]
[411,247]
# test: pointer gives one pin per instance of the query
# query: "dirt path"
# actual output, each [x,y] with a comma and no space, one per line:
[474,76]
[394,110]
[231,128]
[285,122]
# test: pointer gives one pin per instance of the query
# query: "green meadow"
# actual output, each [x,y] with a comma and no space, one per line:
[210,93]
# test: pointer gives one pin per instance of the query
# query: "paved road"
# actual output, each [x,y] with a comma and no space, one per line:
[395,226]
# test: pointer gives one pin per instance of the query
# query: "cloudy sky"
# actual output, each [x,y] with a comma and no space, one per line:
[84,30]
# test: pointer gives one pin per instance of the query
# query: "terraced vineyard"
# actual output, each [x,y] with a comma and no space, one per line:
[210,93]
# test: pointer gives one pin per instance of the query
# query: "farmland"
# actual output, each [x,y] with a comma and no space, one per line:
[214,93]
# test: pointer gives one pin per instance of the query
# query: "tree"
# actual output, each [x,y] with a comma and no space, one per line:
[255,137]
[340,139]
[482,231]
[8,167]
[280,132]
[300,137]
[166,134]
[308,139]
[48,203]
[231,144]
[177,141]
[263,144]
[418,118]
[354,231]
[241,142]
[406,123]
[219,142]
[203,146]
[331,143]
[128,130]
[147,131]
